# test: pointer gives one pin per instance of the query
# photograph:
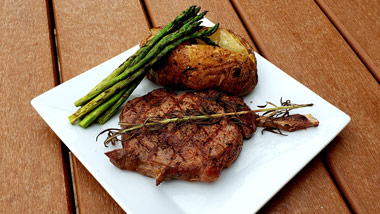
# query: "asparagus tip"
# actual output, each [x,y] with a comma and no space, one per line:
[211,30]
[203,13]
[197,9]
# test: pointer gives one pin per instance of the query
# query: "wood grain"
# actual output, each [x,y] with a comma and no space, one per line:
[294,198]
[32,178]
[90,33]
[92,198]
[300,39]
[308,184]
[359,23]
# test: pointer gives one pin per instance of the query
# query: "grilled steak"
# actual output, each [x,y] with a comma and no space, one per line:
[187,151]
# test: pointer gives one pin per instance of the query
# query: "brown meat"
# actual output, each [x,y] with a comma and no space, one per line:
[289,123]
[192,152]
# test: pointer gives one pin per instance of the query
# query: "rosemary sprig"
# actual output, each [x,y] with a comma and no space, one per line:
[276,111]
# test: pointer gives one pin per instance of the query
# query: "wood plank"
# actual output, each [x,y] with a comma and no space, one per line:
[90,33]
[92,198]
[32,178]
[317,183]
[309,184]
[361,30]
[300,39]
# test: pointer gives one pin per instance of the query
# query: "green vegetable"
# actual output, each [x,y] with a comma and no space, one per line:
[189,13]
[107,96]
[111,111]
[100,109]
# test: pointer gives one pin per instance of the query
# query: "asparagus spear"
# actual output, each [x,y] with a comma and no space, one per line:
[187,14]
[186,29]
[154,40]
[100,109]
[112,110]
[208,41]
[157,52]
[101,98]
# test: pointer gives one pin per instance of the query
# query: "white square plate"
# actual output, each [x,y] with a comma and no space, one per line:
[266,163]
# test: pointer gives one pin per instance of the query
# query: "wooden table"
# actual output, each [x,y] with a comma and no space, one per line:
[330,46]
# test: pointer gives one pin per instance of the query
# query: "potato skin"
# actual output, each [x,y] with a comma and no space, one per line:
[200,67]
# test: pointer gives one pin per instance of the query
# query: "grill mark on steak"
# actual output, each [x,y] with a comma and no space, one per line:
[210,137]
[213,135]
[177,103]
[189,151]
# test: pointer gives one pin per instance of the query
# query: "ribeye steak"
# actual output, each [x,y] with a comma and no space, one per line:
[188,151]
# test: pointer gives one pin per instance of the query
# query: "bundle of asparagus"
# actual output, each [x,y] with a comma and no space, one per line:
[103,101]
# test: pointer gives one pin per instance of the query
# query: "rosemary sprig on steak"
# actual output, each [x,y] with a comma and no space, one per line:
[116,88]
[272,121]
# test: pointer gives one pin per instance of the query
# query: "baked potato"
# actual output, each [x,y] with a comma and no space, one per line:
[230,68]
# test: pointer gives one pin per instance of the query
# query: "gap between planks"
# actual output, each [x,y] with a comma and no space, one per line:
[355,46]
[341,192]
[146,13]
[66,157]
[257,41]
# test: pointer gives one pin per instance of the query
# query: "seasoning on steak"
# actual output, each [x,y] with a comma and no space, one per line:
[189,151]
